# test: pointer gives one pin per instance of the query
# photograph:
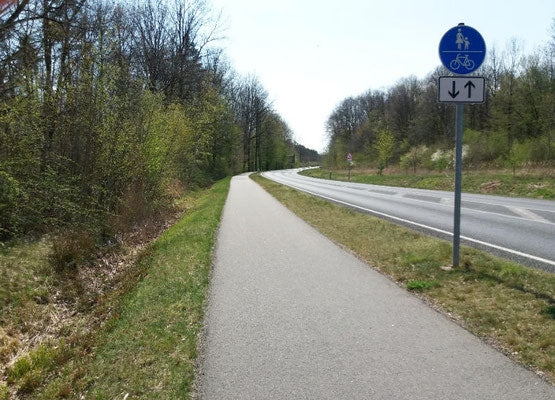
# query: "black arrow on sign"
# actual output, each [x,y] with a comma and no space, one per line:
[453,94]
[470,85]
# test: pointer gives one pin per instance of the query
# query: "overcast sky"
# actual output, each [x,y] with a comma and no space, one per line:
[311,54]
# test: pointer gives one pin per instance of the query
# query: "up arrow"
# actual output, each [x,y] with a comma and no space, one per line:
[469,85]
[454,94]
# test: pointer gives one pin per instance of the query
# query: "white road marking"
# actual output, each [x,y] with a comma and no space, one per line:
[527,214]
[406,221]
[444,201]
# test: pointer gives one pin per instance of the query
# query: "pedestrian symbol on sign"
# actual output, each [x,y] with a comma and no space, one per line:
[462,49]
[462,39]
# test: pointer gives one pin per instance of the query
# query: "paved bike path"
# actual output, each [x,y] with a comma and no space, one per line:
[293,316]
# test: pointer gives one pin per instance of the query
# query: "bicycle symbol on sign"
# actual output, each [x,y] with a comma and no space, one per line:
[462,61]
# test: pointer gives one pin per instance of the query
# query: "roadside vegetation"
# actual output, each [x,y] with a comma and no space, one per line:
[111,113]
[508,305]
[536,183]
[137,337]
[109,109]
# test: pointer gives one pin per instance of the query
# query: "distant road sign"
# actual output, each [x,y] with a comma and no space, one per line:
[349,157]
[461,89]
[462,49]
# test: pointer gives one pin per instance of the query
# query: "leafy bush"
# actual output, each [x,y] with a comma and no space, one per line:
[542,148]
[441,159]
[414,158]
[485,146]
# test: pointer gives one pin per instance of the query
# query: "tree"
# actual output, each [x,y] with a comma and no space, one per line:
[251,107]
[401,106]
[12,18]
[334,154]
[384,144]
[518,153]
[307,155]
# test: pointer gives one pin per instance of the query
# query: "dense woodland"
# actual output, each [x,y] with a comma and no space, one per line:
[109,109]
[405,124]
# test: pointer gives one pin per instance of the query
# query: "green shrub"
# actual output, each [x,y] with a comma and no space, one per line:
[19,369]
[4,392]
[549,310]
[29,382]
[71,249]
[28,372]
[10,193]
[43,356]
[542,148]
[485,146]
[518,153]
[414,158]
[441,159]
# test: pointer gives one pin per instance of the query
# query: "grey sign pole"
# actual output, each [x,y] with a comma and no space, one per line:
[461,50]
[458,183]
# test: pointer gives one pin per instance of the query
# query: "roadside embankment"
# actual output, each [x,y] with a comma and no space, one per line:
[137,339]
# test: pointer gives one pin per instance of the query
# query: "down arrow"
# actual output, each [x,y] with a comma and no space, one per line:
[454,94]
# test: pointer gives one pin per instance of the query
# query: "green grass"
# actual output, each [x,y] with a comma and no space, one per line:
[421,285]
[148,347]
[24,272]
[29,372]
[540,186]
[26,279]
[506,303]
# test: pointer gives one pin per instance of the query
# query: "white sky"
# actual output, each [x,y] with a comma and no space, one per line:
[311,54]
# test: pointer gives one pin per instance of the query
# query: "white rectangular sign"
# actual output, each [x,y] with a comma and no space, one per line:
[460,89]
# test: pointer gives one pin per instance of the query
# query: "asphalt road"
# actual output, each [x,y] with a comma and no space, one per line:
[522,230]
[293,316]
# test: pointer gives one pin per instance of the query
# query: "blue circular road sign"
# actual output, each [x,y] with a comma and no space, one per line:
[462,49]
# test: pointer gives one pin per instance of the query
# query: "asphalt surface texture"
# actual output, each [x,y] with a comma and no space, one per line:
[522,230]
[293,316]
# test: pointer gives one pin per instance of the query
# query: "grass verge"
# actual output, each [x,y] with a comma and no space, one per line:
[509,305]
[539,186]
[148,346]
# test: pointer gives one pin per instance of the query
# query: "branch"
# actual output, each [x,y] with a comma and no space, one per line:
[5,25]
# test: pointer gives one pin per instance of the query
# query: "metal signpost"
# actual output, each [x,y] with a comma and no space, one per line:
[462,50]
